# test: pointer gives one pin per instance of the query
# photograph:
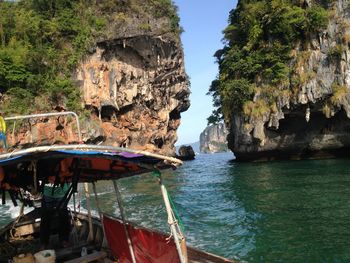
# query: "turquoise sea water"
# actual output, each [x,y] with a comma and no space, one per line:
[296,211]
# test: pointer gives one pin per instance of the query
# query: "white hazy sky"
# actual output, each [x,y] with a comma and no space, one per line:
[203,22]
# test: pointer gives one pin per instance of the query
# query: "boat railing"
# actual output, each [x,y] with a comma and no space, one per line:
[47,115]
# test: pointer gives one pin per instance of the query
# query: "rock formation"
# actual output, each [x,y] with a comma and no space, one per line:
[132,82]
[306,115]
[213,139]
[186,153]
[136,88]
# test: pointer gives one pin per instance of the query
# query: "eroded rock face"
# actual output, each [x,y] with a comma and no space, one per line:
[133,90]
[321,137]
[186,153]
[136,88]
[213,139]
[312,121]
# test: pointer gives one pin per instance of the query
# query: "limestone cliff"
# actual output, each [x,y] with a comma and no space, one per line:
[213,139]
[136,88]
[132,81]
[305,113]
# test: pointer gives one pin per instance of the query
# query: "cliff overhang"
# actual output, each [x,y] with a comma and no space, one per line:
[136,87]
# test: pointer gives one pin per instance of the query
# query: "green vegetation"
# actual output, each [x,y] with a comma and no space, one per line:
[259,41]
[165,8]
[256,109]
[335,53]
[41,44]
[339,93]
[335,101]
[43,41]
[220,146]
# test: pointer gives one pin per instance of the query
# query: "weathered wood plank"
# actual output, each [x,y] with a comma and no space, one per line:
[199,256]
[89,258]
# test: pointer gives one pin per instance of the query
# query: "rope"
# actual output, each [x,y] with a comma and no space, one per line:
[176,213]
[157,174]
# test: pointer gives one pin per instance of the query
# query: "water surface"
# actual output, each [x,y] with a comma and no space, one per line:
[297,211]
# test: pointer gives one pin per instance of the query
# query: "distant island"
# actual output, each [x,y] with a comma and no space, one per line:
[211,140]
[214,139]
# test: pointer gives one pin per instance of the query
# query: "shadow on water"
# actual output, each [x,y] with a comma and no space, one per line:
[303,209]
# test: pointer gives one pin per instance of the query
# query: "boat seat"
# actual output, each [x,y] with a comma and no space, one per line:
[89,258]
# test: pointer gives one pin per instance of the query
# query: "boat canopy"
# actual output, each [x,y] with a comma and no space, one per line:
[83,163]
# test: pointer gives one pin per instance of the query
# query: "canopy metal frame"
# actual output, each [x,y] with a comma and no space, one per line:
[48,115]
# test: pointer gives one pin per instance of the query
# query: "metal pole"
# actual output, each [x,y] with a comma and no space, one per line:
[172,222]
[52,114]
[104,242]
[74,205]
[74,215]
[35,177]
[96,200]
[87,195]
[119,198]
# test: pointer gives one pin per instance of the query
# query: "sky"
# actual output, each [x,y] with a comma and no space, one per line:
[203,22]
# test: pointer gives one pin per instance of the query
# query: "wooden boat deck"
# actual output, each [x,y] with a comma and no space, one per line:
[24,238]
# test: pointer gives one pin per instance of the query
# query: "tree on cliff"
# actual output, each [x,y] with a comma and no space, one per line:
[255,59]
[42,42]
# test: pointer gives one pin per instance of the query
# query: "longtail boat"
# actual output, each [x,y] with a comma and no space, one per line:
[102,238]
